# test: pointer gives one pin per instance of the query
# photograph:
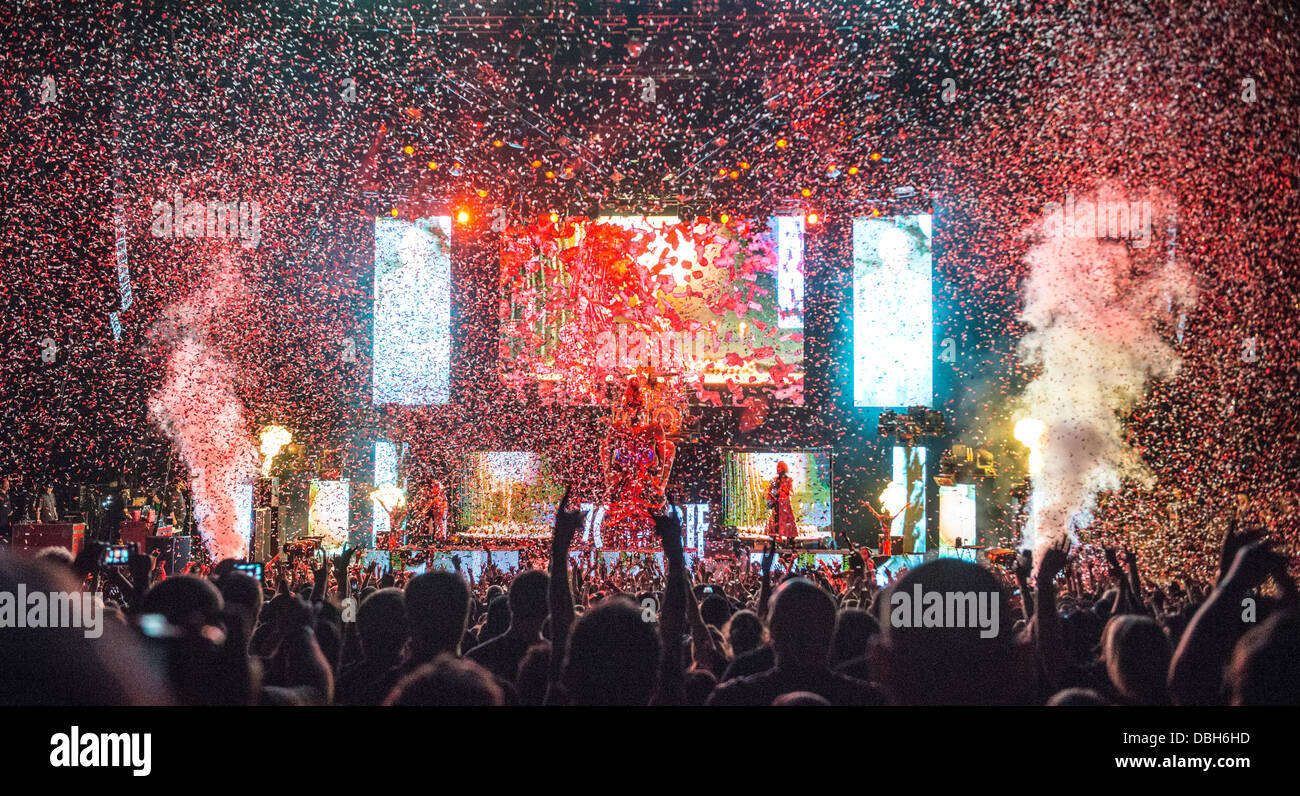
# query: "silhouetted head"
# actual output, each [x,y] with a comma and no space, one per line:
[937,663]
[854,628]
[1137,654]
[498,619]
[381,624]
[185,600]
[744,632]
[527,596]
[437,605]
[716,610]
[534,674]
[447,682]
[71,665]
[1077,697]
[1265,667]
[613,656]
[802,624]
[800,699]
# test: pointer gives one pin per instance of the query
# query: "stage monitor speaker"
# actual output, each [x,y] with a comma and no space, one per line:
[173,551]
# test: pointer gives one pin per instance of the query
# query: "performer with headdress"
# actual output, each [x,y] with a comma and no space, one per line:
[637,460]
[780,522]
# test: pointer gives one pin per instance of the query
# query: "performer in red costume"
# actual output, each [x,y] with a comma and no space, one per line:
[780,523]
[637,460]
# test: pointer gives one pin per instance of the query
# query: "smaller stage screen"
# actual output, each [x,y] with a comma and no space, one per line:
[892,312]
[327,512]
[905,497]
[411,352]
[957,515]
[507,493]
[746,476]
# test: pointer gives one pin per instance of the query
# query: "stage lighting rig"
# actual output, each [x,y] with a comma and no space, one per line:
[963,464]
[918,422]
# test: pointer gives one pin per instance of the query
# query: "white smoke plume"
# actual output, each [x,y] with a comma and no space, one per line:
[1094,314]
[197,406]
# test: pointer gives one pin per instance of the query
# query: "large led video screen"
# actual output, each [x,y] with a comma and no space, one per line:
[893,313]
[411,354]
[718,306]
[507,493]
[746,476]
[909,485]
[328,511]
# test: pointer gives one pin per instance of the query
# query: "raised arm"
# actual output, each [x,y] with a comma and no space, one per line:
[672,614]
[560,596]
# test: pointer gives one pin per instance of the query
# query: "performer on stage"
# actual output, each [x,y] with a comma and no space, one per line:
[886,521]
[438,508]
[637,460]
[780,522]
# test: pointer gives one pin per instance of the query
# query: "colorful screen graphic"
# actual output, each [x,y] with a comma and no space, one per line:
[909,472]
[720,306]
[745,478]
[507,493]
[412,311]
[892,312]
[957,515]
[328,511]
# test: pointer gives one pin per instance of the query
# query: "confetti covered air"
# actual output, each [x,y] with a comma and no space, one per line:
[197,406]
[877,282]
[1095,319]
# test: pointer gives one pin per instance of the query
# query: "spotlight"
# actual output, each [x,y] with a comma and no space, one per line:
[875,156]
[408,149]
[554,217]
[724,218]
[812,218]
[722,172]
[550,175]
[393,212]
[498,143]
[537,164]
[781,143]
[853,170]
[733,175]
[433,165]
[463,216]
[806,192]
[744,165]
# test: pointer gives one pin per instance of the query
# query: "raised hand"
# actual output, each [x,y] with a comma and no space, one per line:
[567,523]
[769,557]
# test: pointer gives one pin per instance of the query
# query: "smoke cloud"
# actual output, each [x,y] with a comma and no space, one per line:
[197,406]
[1094,313]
